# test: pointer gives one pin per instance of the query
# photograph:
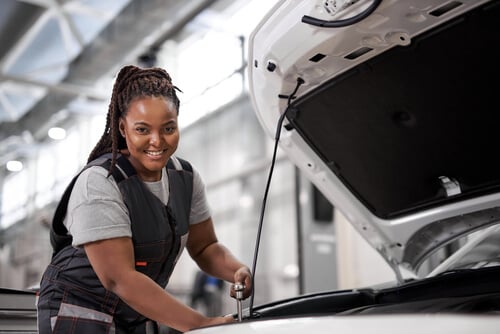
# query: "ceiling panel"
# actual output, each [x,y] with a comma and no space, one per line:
[53,52]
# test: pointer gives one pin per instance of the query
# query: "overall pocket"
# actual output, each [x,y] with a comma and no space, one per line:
[81,320]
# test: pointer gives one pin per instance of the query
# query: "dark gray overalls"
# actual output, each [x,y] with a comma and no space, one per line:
[72,299]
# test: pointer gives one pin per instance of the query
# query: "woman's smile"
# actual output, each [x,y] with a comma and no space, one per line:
[155,154]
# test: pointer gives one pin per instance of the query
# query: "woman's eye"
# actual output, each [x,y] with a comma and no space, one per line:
[170,130]
[141,130]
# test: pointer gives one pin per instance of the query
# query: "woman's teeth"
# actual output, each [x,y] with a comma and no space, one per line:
[155,153]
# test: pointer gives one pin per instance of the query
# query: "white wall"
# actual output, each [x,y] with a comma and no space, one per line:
[359,264]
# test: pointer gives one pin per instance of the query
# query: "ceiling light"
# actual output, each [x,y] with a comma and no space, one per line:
[14,166]
[57,133]
[246,201]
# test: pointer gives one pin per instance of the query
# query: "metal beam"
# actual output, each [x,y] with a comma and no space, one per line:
[135,29]
[63,87]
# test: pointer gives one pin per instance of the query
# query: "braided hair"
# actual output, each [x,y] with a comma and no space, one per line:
[131,83]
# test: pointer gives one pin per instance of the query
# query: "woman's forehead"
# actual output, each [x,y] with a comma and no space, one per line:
[152,109]
[147,102]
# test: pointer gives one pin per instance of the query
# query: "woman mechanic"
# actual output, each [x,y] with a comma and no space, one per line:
[127,218]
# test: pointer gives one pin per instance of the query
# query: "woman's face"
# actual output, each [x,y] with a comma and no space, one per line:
[152,135]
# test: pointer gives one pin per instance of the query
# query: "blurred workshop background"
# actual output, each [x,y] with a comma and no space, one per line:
[58,60]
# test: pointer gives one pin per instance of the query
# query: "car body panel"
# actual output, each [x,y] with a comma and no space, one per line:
[17,311]
[409,165]
[385,324]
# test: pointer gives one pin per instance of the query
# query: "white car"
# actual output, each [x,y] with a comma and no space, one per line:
[390,108]
[17,311]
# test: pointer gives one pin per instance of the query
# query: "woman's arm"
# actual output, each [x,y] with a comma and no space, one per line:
[214,258]
[113,262]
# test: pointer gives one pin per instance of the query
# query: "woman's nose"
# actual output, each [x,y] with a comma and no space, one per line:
[154,139]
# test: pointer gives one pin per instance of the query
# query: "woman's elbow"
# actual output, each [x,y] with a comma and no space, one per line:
[109,284]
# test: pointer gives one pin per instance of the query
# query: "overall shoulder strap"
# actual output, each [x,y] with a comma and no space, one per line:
[184,170]
[179,164]
[180,179]
[59,237]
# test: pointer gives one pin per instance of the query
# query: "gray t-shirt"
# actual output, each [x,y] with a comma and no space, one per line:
[96,210]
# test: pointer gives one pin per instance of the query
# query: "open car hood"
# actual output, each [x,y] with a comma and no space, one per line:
[392,112]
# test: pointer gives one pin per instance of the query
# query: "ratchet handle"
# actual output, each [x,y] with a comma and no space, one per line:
[238,290]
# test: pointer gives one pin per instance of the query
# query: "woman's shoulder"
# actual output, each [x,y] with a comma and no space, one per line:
[95,172]
[95,179]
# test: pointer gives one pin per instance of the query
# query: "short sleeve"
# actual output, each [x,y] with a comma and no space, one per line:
[96,210]
[200,209]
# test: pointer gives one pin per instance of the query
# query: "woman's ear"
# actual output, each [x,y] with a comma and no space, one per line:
[121,127]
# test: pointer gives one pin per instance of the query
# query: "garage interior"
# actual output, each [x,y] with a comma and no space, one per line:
[58,59]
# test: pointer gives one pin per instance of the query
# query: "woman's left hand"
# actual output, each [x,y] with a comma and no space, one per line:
[243,276]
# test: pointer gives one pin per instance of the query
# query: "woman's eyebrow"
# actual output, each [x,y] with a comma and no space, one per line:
[172,121]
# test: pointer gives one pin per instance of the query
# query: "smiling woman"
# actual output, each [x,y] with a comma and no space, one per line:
[130,213]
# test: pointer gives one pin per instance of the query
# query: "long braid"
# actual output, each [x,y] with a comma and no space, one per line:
[131,83]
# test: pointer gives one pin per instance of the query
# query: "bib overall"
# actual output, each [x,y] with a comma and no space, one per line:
[72,299]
